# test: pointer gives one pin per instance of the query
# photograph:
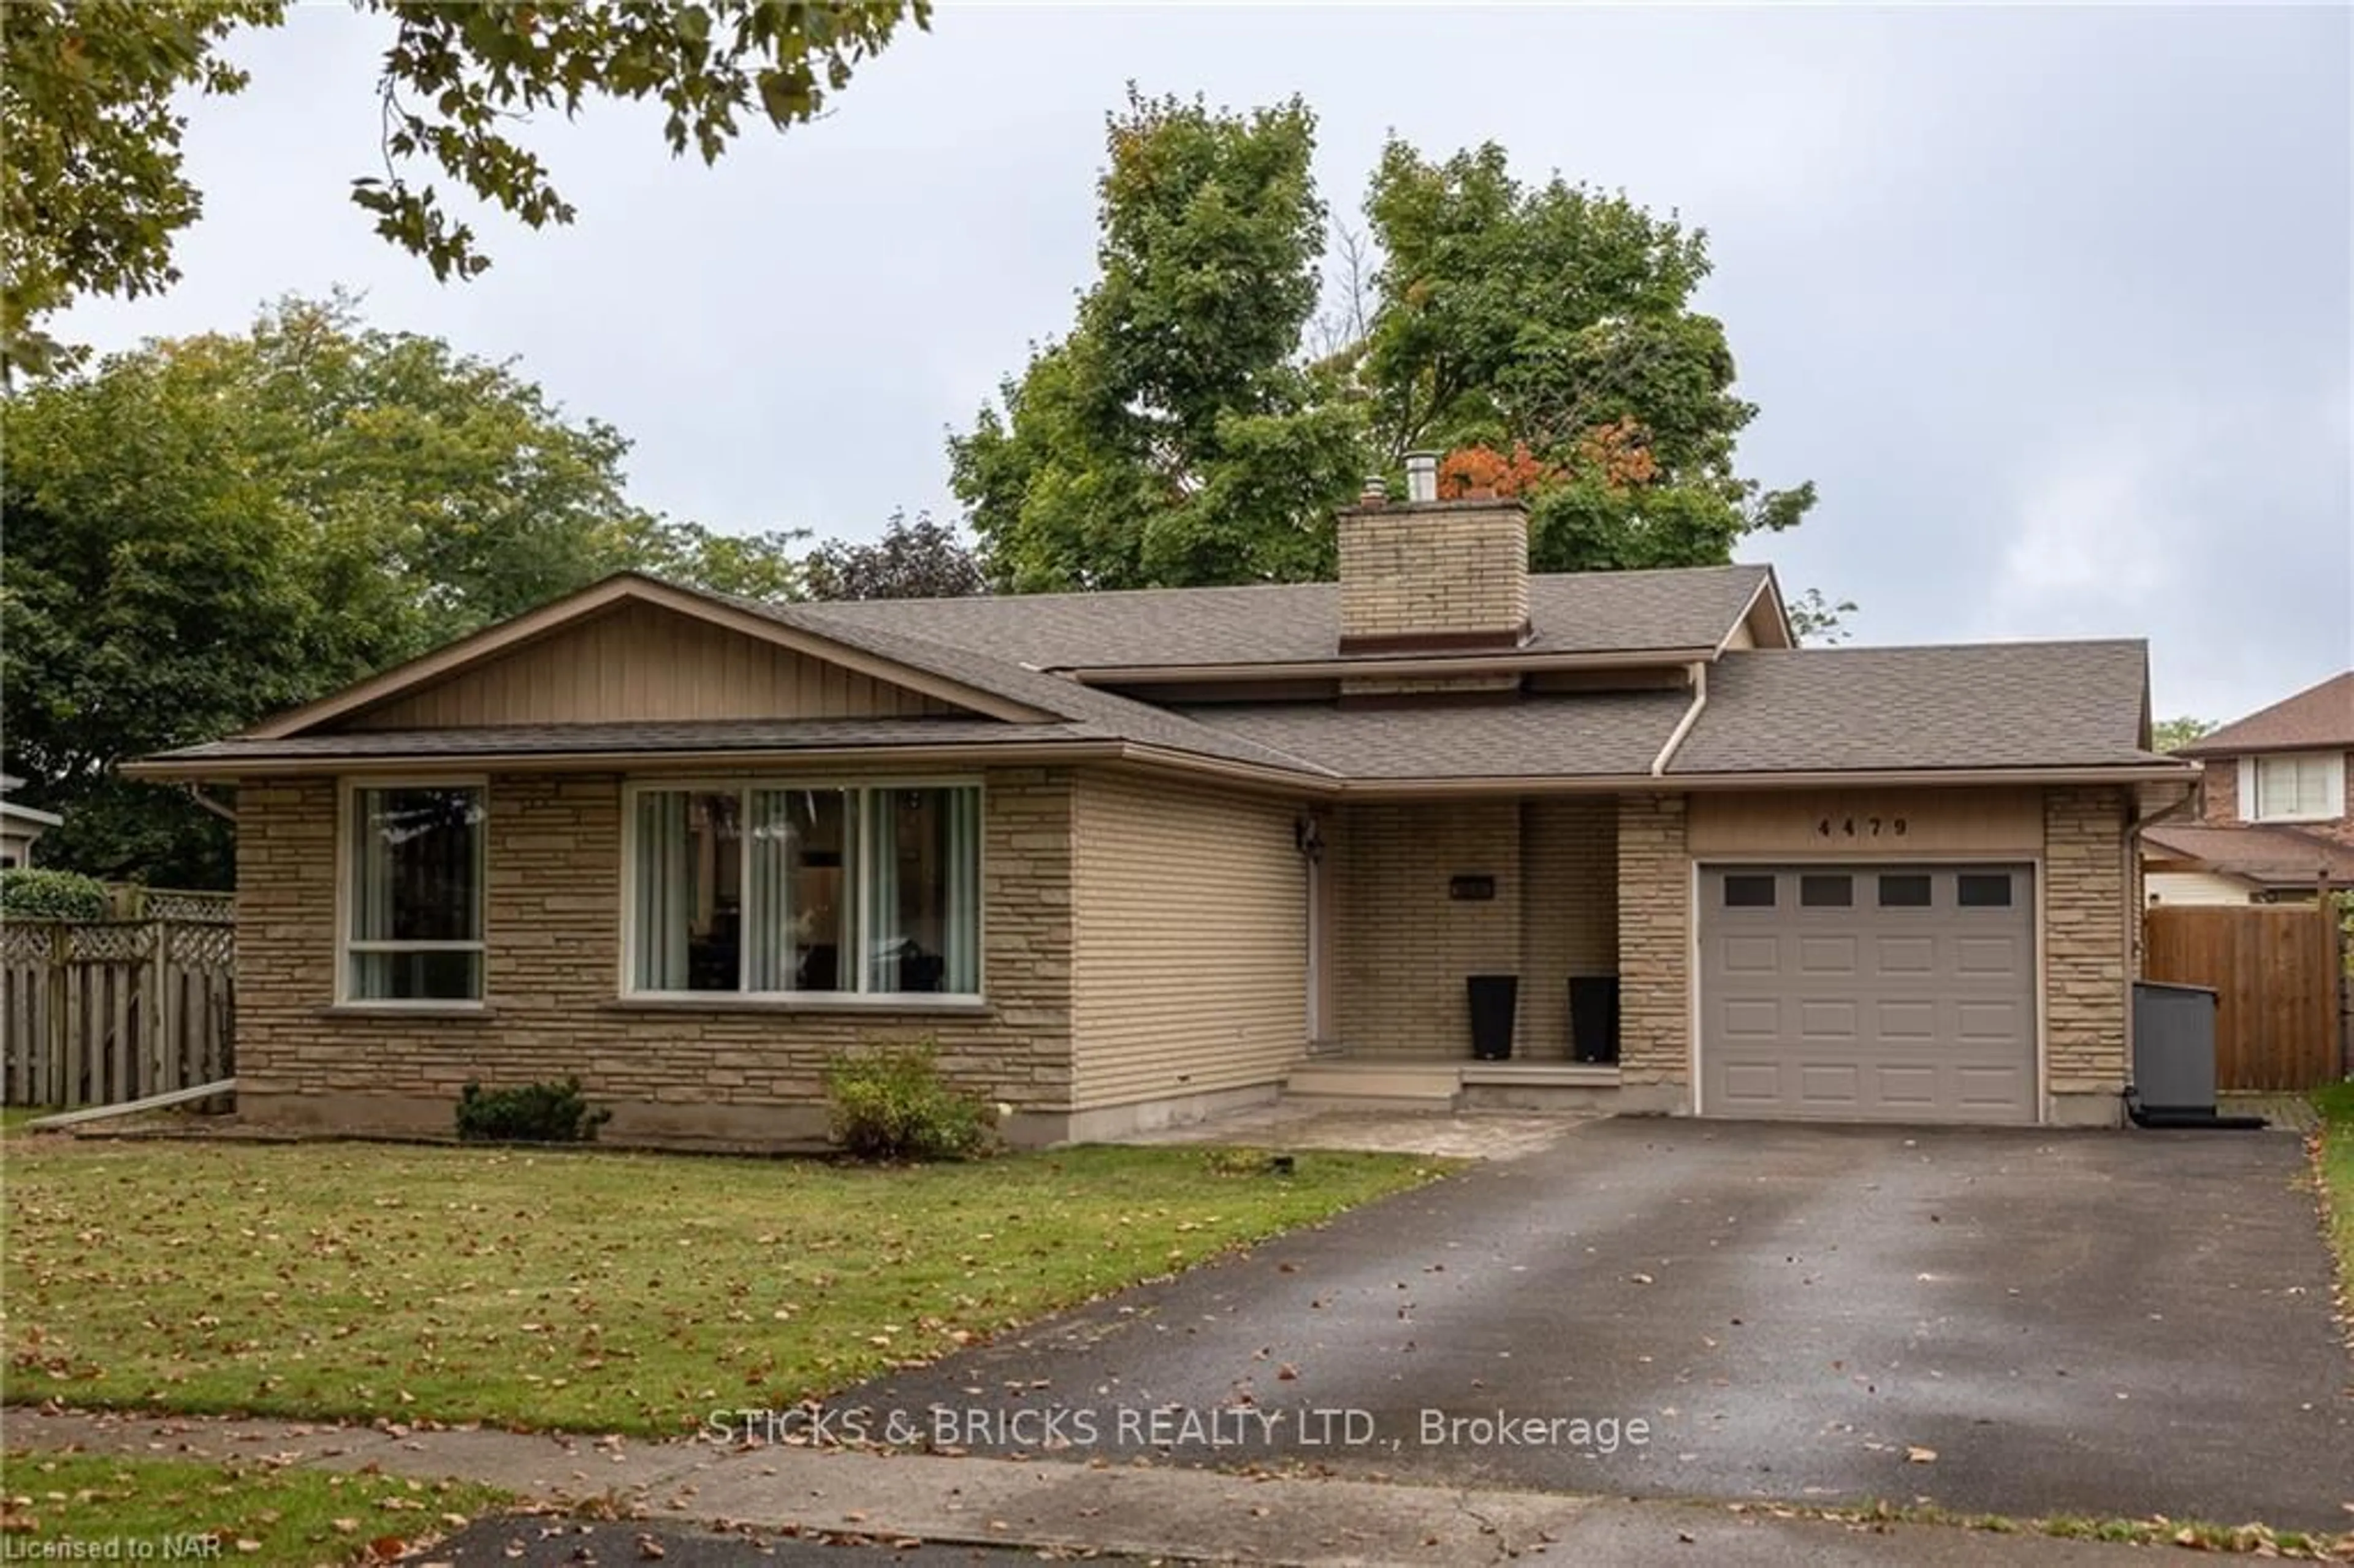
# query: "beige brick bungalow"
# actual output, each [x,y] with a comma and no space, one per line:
[1134,858]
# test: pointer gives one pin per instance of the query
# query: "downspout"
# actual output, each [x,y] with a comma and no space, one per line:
[226,813]
[1684,725]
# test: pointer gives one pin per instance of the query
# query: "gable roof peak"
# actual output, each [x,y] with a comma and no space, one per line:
[2320,716]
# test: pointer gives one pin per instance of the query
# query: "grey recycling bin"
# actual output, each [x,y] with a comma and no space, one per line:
[2174,1046]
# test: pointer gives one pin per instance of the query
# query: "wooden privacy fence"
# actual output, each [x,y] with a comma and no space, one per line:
[110,1010]
[2276,971]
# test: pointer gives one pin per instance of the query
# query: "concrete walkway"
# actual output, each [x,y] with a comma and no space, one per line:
[1294,1123]
[1195,1515]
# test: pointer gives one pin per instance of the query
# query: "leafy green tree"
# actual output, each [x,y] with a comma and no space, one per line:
[1172,438]
[203,530]
[1182,434]
[1817,619]
[917,560]
[94,192]
[1556,321]
[755,566]
[2172,734]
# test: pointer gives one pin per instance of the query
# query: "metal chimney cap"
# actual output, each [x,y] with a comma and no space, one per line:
[1422,476]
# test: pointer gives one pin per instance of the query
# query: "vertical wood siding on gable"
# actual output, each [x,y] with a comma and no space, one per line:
[643,663]
[1189,937]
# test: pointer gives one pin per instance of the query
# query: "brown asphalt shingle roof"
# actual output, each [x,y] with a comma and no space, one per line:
[1589,613]
[1115,716]
[2271,855]
[1829,709]
[2320,715]
[1596,735]
[1996,704]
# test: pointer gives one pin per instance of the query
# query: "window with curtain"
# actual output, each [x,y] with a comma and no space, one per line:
[2304,786]
[415,928]
[776,888]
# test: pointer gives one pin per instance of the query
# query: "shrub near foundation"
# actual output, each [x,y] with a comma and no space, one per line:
[531,1113]
[889,1103]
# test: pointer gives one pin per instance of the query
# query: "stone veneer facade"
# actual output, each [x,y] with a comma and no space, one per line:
[743,1075]
[2089,918]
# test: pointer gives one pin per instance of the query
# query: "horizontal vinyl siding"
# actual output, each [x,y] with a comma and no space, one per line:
[2196,887]
[642,663]
[1190,931]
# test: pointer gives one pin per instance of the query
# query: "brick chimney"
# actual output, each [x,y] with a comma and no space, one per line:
[1425,576]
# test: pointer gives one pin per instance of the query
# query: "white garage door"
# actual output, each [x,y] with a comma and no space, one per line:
[1868,993]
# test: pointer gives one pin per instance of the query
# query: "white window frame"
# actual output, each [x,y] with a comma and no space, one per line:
[857,940]
[2333,800]
[347,792]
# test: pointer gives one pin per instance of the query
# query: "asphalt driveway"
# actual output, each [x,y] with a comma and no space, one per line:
[2023,1322]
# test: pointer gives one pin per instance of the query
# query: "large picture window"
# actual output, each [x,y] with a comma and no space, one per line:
[414,930]
[766,889]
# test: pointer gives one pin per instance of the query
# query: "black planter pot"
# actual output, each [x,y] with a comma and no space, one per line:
[1594,1018]
[1493,1000]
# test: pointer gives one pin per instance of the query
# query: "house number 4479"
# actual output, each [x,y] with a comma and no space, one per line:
[1859,827]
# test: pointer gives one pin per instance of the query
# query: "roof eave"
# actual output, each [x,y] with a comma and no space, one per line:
[2205,752]
[231,770]
[1679,783]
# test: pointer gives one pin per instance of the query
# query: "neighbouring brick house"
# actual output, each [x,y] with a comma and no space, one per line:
[1133,858]
[2273,817]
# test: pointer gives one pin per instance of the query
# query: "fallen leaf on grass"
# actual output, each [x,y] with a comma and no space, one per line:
[1919,1456]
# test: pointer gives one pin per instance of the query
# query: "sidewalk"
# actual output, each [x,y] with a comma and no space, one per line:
[1165,1512]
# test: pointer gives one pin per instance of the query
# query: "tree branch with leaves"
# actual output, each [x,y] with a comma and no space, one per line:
[94,191]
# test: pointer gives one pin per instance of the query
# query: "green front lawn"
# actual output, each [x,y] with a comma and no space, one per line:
[2335,1164]
[178,1509]
[599,1291]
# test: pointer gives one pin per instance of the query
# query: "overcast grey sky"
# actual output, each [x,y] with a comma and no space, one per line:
[2053,305]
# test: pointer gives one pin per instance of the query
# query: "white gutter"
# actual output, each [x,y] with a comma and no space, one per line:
[1683,724]
[1701,783]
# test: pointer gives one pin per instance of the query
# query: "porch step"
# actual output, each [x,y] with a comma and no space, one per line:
[1401,1086]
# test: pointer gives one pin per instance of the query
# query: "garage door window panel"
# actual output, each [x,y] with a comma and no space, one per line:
[1906,890]
[1826,892]
[1983,890]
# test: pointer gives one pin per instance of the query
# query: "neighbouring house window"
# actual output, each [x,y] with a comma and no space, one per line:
[768,889]
[2297,788]
[415,930]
